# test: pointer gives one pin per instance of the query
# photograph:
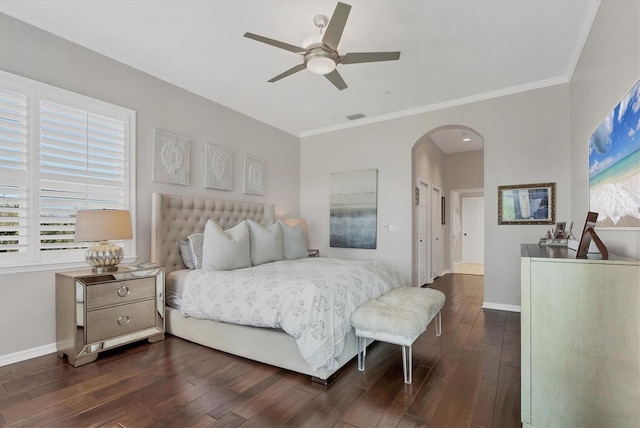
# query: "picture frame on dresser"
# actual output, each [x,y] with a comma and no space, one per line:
[589,234]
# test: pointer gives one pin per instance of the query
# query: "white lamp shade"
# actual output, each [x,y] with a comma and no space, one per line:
[294,221]
[102,225]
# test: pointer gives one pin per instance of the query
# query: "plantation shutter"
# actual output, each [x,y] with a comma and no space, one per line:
[82,166]
[14,179]
[60,152]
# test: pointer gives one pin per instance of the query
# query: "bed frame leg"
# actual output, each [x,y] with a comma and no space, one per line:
[321,381]
[438,324]
[326,382]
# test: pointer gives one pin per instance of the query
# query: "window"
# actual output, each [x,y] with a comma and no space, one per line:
[59,152]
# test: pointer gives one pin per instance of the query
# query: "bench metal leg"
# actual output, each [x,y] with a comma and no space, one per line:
[407,363]
[362,352]
[438,324]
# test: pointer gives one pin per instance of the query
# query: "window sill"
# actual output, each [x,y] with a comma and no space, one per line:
[53,266]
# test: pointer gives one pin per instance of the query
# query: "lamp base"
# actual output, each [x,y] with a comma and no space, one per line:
[104,269]
[104,256]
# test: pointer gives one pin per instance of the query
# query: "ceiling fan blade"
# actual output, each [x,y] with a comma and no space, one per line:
[358,57]
[334,30]
[335,78]
[276,43]
[289,72]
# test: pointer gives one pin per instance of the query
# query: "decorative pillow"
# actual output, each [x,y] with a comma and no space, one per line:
[195,243]
[187,255]
[294,241]
[226,249]
[266,243]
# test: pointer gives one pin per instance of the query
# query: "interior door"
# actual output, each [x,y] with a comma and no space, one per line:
[473,230]
[422,233]
[436,227]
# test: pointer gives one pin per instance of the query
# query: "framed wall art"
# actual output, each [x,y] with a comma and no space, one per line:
[614,165]
[218,167]
[527,204]
[255,177]
[170,157]
[354,209]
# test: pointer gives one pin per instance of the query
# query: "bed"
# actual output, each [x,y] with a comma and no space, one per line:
[174,219]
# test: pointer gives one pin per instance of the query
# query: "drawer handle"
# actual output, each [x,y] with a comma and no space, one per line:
[123,320]
[123,291]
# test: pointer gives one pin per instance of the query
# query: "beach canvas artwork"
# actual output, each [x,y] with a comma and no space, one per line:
[614,165]
[354,209]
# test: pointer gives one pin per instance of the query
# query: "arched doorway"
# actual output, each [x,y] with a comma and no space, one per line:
[444,161]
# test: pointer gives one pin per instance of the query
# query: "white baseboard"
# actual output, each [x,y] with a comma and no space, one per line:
[501,307]
[27,354]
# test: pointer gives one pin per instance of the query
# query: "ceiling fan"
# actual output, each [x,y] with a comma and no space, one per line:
[320,51]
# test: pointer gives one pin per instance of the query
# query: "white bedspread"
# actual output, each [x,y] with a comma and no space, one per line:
[310,299]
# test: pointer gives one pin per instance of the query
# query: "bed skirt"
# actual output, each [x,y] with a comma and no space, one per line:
[269,346]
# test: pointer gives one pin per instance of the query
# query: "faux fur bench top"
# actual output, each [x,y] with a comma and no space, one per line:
[399,316]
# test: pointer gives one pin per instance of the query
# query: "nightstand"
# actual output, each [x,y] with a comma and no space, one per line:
[314,253]
[100,311]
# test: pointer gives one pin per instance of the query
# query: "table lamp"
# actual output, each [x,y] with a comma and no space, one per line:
[293,221]
[103,225]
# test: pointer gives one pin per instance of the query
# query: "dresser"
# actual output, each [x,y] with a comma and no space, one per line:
[100,311]
[580,332]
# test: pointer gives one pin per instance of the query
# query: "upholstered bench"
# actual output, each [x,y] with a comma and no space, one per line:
[398,317]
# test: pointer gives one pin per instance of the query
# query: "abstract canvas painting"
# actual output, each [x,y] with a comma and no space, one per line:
[170,157]
[614,165]
[354,209]
[218,167]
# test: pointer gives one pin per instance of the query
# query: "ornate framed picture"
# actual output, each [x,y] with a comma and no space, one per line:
[171,154]
[527,204]
[255,175]
[218,167]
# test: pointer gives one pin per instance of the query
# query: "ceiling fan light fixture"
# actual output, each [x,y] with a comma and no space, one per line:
[320,65]
[320,50]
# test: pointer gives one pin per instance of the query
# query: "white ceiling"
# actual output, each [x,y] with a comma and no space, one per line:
[453,51]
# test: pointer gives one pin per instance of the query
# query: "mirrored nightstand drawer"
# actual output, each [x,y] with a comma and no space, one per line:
[119,320]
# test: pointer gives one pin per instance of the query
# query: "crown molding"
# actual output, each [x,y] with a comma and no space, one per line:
[440,106]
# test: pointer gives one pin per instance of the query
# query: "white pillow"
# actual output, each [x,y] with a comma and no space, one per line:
[187,254]
[294,241]
[195,243]
[266,243]
[225,249]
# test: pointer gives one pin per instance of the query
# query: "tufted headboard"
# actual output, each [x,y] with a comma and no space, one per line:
[174,218]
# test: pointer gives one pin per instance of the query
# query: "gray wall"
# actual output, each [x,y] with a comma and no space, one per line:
[27,318]
[464,170]
[519,132]
[609,66]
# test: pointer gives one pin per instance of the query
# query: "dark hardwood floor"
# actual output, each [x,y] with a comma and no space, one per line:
[469,377]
